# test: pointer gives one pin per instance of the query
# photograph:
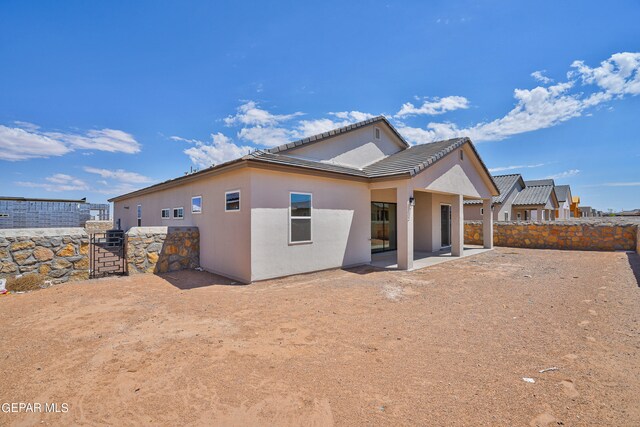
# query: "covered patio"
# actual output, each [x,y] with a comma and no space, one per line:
[419,221]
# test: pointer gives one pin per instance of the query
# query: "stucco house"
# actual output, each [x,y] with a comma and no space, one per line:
[575,207]
[509,186]
[537,201]
[563,192]
[326,201]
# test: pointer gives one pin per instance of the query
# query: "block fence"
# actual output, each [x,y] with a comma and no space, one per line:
[558,235]
[162,249]
[59,254]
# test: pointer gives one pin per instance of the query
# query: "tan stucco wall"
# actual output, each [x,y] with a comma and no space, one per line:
[452,175]
[224,236]
[357,148]
[341,224]
[387,195]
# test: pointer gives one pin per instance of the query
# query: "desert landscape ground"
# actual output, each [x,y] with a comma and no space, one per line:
[446,345]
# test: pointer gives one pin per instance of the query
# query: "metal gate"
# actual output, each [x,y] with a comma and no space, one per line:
[108,254]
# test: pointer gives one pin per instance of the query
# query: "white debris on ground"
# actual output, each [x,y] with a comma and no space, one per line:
[392,292]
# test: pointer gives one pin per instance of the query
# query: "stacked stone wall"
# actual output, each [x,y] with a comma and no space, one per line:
[559,235]
[93,227]
[162,249]
[58,254]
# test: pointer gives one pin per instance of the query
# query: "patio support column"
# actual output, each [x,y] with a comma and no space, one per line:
[539,215]
[487,224]
[457,226]
[405,226]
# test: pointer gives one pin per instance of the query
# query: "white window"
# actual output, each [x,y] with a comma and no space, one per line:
[178,213]
[299,218]
[232,201]
[506,216]
[196,204]
[139,215]
[166,213]
[376,132]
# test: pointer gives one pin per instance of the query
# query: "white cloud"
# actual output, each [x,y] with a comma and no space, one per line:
[306,128]
[20,144]
[434,106]
[119,175]
[267,136]
[27,141]
[539,76]
[544,107]
[509,168]
[57,182]
[565,174]
[619,75]
[220,150]
[251,114]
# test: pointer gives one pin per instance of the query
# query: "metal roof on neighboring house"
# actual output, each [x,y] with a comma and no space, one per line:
[338,131]
[537,182]
[31,199]
[533,195]
[562,191]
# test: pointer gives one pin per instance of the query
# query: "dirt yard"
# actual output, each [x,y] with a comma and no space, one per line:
[447,345]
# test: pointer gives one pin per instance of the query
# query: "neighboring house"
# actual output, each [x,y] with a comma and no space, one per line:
[575,207]
[586,212]
[563,192]
[536,202]
[325,201]
[509,186]
[23,212]
[634,212]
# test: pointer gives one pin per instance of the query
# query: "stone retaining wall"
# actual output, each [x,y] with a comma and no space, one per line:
[573,235]
[59,254]
[162,249]
[93,227]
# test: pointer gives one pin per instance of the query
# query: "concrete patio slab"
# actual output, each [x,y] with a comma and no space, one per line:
[421,260]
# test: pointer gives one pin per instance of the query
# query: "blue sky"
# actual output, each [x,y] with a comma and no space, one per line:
[100,98]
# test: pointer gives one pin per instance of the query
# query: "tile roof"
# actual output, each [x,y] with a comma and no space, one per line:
[533,195]
[334,132]
[505,183]
[409,161]
[562,191]
[539,182]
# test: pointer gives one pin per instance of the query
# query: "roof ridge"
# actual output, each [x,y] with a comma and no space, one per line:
[337,131]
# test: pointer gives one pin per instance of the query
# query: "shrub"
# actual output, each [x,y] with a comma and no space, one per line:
[28,282]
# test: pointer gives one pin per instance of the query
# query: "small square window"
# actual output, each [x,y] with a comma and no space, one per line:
[376,132]
[178,213]
[232,201]
[166,213]
[196,204]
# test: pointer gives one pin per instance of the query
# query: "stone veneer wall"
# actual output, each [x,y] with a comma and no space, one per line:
[59,254]
[93,226]
[162,249]
[573,235]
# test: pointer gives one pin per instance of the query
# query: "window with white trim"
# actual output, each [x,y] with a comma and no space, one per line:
[196,204]
[299,217]
[139,215]
[506,216]
[165,213]
[178,213]
[232,201]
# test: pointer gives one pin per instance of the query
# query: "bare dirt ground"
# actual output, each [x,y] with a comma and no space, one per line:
[447,345]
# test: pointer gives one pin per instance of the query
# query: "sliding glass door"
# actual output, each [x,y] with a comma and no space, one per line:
[383,227]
